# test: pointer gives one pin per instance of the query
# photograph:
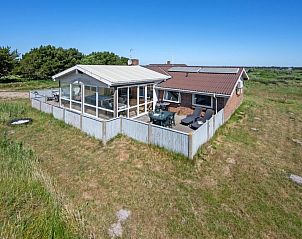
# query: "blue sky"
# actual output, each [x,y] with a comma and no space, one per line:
[193,32]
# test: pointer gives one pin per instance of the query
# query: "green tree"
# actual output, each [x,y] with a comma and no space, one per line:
[104,58]
[8,60]
[46,61]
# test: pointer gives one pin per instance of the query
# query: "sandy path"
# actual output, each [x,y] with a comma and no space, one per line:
[13,94]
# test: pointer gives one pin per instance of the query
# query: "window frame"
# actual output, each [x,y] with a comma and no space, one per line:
[138,105]
[179,96]
[206,106]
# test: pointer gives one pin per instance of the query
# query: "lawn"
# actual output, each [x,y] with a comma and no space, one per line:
[237,186]
[26,85]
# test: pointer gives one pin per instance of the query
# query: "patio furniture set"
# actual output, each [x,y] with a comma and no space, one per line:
[161,116]
[52,95]
[195,120]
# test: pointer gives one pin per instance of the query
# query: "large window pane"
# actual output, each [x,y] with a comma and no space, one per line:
[141,94]
[76,106]
[103,114]
[65,90]
[133,112]
[203,100]
[90,95]
[122,98]
[106,98]
[133,96]
[65,103]
[172,96]
[123,113]
[141,109]
[90,110]
[149,106]
[76,92]
[149,93]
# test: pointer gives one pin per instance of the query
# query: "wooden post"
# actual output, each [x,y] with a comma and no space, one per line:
[115,102]
[208,130]
[64,115]
[149,133]
[190,146]
[214,121]
[81,121]
[121,124]
[104,132]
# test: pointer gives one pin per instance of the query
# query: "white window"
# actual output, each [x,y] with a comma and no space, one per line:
[202,100]
[172,96]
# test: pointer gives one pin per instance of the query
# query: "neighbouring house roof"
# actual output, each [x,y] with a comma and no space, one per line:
[116,74]
[213,80]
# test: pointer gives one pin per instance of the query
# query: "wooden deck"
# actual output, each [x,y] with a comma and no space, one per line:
[178,126]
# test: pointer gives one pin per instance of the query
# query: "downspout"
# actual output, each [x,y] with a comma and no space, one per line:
[60,94]
[215,103]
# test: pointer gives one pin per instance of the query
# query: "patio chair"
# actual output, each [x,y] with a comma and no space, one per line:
[157,109]
[166,122]
[172,119]
[50,98]
[191,118]
[107,105]
[201,120]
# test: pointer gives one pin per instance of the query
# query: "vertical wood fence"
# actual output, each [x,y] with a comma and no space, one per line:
[180,142]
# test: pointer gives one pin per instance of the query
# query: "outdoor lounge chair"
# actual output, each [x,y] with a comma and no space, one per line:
[201,120]
[191,118]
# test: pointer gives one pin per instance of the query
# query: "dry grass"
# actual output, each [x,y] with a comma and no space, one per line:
[26,85]
[237,186]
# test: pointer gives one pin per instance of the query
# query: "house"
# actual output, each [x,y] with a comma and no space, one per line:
[92,97]
[209,87]
[109,91]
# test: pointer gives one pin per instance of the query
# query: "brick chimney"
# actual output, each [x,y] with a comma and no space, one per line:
[133,62]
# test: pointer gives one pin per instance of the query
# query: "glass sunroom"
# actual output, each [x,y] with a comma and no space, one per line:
[108,91]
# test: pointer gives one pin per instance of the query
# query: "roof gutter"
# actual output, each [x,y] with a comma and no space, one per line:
[191,91]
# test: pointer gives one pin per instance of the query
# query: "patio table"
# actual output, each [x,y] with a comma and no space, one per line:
[161,116]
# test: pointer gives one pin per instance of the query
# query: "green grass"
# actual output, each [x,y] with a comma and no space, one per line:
[237,186]
[28,210]
[269,76]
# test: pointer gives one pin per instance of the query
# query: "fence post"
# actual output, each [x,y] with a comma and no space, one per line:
[40,105]
[208,130]
[121,125]
[190,146]
[214,124]
[64,115]
[149,133]
[104,132]
[81,121]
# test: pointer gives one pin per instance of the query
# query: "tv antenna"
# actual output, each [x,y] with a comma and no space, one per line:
[130,57]
[131,50]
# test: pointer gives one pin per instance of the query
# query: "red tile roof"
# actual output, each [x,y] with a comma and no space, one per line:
[218,83]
